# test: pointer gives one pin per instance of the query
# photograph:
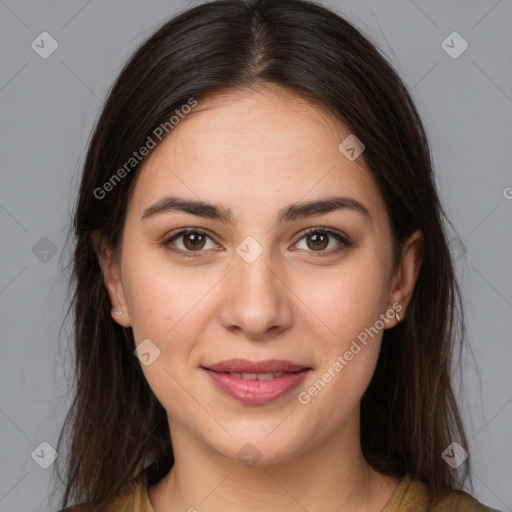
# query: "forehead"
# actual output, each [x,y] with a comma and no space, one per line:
[258,148]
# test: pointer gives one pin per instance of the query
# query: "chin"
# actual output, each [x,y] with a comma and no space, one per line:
[259,444]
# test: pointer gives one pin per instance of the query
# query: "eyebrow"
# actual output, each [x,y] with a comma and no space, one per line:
[287,214]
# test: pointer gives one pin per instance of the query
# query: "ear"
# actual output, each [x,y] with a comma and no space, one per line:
[111,278]
[408,270]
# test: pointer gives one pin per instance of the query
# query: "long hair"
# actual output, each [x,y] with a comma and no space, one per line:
[116,429]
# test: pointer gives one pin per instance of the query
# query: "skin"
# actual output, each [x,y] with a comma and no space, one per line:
[256,152]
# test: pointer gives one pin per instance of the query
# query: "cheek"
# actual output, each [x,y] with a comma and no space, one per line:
[332,398]
[168,307]
[344,302]
[172,307]
[161,298]
[350,304]
[347,306]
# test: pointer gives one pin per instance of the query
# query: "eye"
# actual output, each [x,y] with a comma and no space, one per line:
[193,241]
[318,239]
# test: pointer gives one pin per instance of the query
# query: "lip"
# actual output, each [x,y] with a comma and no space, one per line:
[255,391]
[247,366]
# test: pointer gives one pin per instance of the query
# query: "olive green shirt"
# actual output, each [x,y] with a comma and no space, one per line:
[410,496]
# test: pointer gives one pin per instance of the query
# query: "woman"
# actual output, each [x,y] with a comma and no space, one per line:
[265,305]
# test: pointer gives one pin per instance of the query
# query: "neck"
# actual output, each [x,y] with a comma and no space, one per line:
[330,477]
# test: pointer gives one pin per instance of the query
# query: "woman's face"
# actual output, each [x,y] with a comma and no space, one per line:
[251,284]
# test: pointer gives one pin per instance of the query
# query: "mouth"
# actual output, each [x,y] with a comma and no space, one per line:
[256,382]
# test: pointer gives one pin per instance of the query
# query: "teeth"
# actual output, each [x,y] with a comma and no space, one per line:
[255,376]
[268,376]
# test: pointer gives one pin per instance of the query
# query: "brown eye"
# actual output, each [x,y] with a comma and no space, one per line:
[189,242]
[193,241]
[318,240]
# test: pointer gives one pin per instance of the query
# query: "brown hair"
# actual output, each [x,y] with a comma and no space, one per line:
[116,429]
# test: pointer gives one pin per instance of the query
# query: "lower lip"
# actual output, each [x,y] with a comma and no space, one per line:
[257,391]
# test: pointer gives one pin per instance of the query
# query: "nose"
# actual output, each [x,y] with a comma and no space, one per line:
[256,298]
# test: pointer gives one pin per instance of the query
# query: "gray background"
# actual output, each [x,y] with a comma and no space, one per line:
[48,107]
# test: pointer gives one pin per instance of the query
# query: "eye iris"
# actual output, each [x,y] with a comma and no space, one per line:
[318,243]
[198,242]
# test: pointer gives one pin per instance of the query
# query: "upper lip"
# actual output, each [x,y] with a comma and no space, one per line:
[247,366]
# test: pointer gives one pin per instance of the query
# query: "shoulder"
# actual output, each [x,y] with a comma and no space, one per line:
[459,501]
[413,496]
[131,498]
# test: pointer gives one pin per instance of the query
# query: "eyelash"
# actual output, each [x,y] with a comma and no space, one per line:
[345,242]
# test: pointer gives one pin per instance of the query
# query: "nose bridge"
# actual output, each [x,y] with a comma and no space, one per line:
[257,299]
[254,266]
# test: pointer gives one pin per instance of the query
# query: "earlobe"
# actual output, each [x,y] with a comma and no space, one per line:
[111,279]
